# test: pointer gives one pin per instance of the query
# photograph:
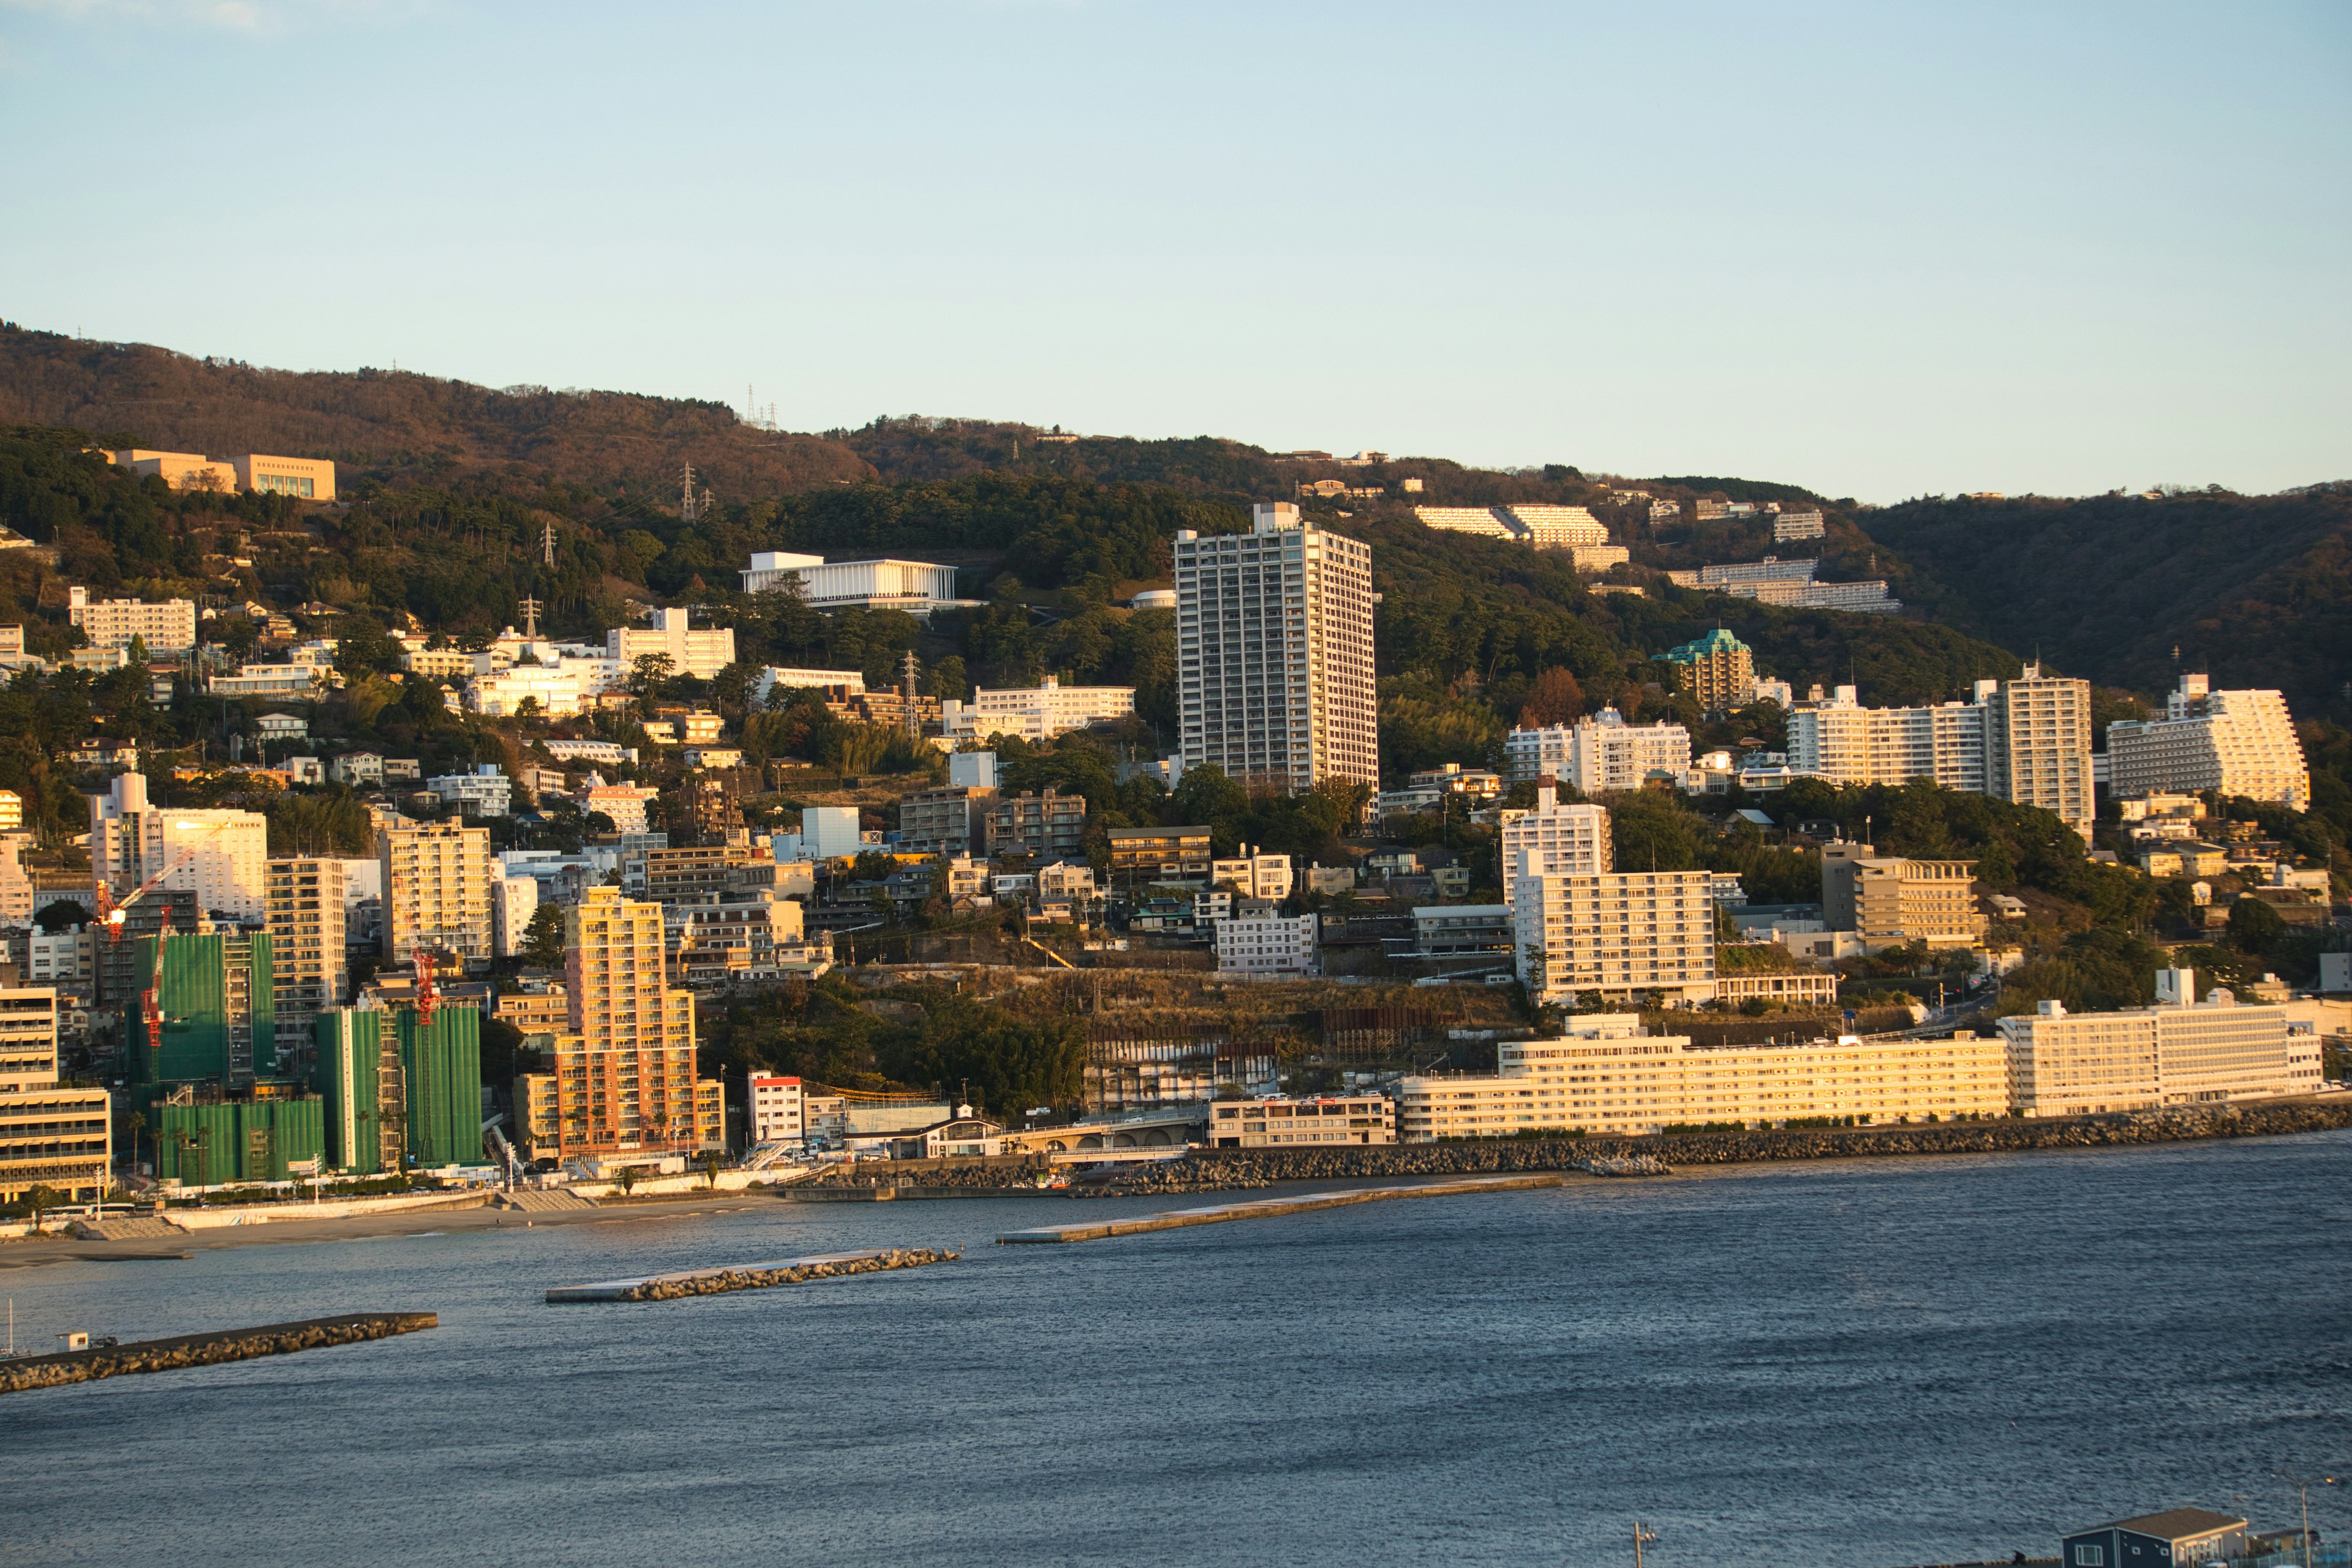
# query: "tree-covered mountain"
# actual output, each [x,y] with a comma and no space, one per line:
[2254,590]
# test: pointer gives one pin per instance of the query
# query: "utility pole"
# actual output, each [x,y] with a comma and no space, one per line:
[1640,1537]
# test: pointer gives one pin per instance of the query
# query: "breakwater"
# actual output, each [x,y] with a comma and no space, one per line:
[750,1276]
[205,1350]
[1267,1208]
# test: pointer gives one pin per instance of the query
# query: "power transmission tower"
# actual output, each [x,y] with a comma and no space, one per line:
[531,608]
[914,722]
[547,543]
[692,506]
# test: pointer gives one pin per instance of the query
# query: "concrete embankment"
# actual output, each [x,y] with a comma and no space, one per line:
[1267,1208]
[749,1276]
[204,1349]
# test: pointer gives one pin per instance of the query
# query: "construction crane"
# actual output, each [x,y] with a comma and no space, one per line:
[426,1000]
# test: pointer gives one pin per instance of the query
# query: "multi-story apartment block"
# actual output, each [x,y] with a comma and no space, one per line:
[2038,746]
[1889,900]
[702,653]
[1273,636]
[777,1109]
[1717,669]
[1846,743]
[2233,743]
[1790,526]
[623,804]
[1598,753]
[168,626]
[1616,935]
[485,792]
[307,928]
[437,889]
[950,821]
[1573,529]
[1606,1074]
[624,1073]
[1048,826]
[1284,1122]
[16,894]
[1161,854]
[50,1135]
[2178,1052]
[1866,596]
[218,855]
[1771,569]
[564,679]
[513,900]
[1039,714]
[1555,841]
[1253,875]
[1265,944]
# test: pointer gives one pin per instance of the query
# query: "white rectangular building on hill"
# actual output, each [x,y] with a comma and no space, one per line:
[702,652]
[916,586]
[2235,742]
[220,855]
[1598,753]
[1034,713]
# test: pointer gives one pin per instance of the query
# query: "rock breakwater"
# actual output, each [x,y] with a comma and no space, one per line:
[205,1350]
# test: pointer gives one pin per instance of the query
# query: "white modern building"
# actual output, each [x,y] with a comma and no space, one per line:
[513,900]
[1273,636]
[166,626]
[916,586]
[1555,841]
[561,678]
[221,856]
[271,680]
[763,691]
[1254,875]
[1573,529]
[702,653]
[831,833]
[610,753]
[777,1107]
[2233,743]
[2179,1052]
[1266,945]
[1034,714]
[1615,935]
[485,792]
[623,804]
[1598,753]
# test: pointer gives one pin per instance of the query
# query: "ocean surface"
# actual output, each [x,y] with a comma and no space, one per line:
[1865,1363]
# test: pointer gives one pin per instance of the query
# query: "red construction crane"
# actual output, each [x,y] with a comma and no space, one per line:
[425,1000]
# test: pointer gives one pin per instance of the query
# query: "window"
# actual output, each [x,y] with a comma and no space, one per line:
[2090,1557]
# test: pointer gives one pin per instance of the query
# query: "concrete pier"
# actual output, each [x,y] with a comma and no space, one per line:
[204,1349]
[1267,1208]
[748,1276]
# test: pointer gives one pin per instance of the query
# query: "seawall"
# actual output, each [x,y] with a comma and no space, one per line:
[204,1349]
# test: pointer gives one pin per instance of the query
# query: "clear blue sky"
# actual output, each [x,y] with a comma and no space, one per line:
[1879,249]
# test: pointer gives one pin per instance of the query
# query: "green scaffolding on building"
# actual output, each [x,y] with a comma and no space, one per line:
[237,1141]
[218,995]
[398,1092]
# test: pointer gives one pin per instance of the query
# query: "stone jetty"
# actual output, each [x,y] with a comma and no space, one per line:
[750,1276]
[204,1349]
[1268,1209]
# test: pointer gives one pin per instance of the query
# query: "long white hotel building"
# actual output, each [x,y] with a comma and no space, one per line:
[1273,640]
[2236,742]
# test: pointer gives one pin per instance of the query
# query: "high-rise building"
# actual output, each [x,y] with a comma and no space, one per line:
[1555,841]
[1598,753]
[702,653]
[1717,669]
[1616,935]
[2038,746]
[2233,743]
[215,1015]
[399,1091]
[625,1071]
[437,889]
[218,855]
[1274,637]
[50,1135]
[307,928]
[1889,900]
[169,627]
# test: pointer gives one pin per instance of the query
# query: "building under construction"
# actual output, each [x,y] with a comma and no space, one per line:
[399,1091]
[252,1140]
[214,1018]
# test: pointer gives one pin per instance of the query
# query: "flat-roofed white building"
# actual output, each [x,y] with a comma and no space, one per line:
[2233,743]
[304,478]
[1604,1075]
[513,900]
[1034,713]
[1253,875]
[1265,944]
[1282,1124]
[778,1108]
[1555,839]
[1616,935]
[561,678]
[916,586]
[2179,1052]
[1598,753]
[1845,743]
[850,682]
[167,625]
[704,652]
[221,856]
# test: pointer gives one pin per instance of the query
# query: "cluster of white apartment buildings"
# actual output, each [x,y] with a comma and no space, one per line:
[1573,529]
[1598,753]
[916,586]
[2234,743]
[1773,581]
[702,652]
[1273,640]
[2027,740]
[1034,714]
[1604,1075]
[164,627]
[1581,929]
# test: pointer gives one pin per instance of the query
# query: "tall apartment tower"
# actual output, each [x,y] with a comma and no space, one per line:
[1273,636]
[1555,841]
[306,940]
[218,855]
[2238,743]
[437,889]
[2038,745]
[624,1074]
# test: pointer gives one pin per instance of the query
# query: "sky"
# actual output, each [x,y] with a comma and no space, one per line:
[1878,249]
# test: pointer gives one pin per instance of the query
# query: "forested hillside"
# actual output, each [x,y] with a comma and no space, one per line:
[2255,589]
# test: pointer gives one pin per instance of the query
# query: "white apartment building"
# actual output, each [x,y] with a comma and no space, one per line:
[1553,527]
[1274,634]
[64,961]
[2027,740]
[1605,1076]
[309,910]
[702,653]
[1616,935]
[610,753]
[623,804]
[763,691]
[271,680]
[437,889]
[778,1108]
[1598,753]
[2179,1052]
[562,678]
[1555,841]
[1048,710]
[219,855]
[513,900]
[1789,526]
[1867,596]
[485,792]
[2235,742]
[916,586]
[1282,1123]
[1265,944]
[1253,875]
[1771,569]
[168,626]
